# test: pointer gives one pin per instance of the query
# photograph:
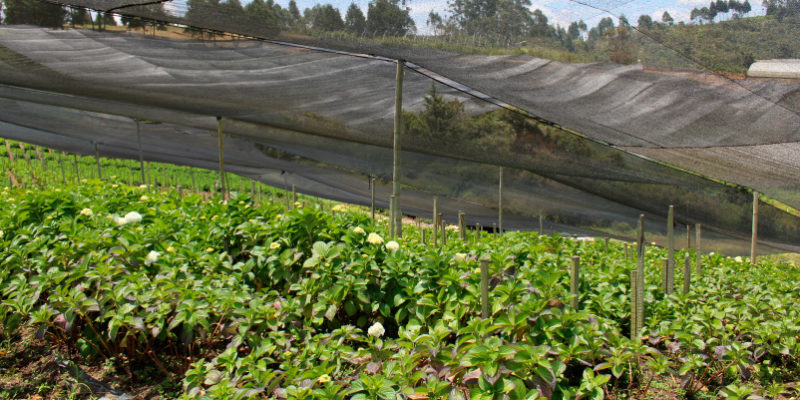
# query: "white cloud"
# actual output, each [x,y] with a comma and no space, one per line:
[692,3]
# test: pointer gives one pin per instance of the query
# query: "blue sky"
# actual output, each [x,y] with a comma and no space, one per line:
[558,11]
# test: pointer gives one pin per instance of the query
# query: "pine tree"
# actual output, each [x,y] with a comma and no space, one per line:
[354,20]
[667,19]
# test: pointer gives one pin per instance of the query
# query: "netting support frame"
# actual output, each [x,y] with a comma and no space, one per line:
[396,213]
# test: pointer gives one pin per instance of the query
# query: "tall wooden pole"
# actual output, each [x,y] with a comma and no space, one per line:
[221,159]
[485,288]
[670,249]
[574,281]
[500,201]
[372,199]
[97,160]
[141,156]
[398,130]
[698,229]
[754,239]
[638,306]
[541,223]
[63,170]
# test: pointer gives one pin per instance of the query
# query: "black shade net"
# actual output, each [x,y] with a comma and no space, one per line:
[583,143]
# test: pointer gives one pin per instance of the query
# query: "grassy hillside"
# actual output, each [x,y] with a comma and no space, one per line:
[729,46]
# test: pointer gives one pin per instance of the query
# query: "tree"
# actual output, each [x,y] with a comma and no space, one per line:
[265,18]
[294,12]
[354,20]
[622,49]
[435,22]
[34,12]
[645,22]
[623,21]
[667,19]
[441,119]
[540,26]
[782,8]
[105,19]
[574,31]
[386,17]
[325,18]
[79,17]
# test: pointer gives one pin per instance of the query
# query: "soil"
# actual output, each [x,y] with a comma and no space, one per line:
[30,370]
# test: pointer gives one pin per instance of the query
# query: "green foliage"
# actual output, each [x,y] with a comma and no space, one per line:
[387,17]
[354,21]
[324,18]
[34,12]
[242,300]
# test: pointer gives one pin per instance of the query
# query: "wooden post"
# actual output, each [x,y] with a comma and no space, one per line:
[77,169]
[698,246]
[392,221]
[372,201]
[687,273]
[141,156]
[634,304]
[541,223]
[574,281]
[688,237]
[485,288]
[640,277]
[191,174]
[754,238]
[494,228]
[63,170]
[444,230]
[252,190]
[294,195]
[500,201]
[462,226]
[97,160]
[671,248]
[435,220]
[606,244]
[627,255]
[665,276]
[180,190]
[478,231]
[396,212]
[222,179]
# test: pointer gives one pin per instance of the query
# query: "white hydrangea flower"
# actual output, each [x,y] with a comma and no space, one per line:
[359,230]
[133,216]
[144,198]
[452,228]
[392,245]
[376,330]
[1,234]
[738,259]
[274,246]
[87,212]
[460,257]
[374,238]
[151,258]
